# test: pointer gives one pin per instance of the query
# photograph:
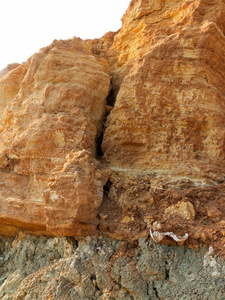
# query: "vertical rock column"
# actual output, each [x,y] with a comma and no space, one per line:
[54,106]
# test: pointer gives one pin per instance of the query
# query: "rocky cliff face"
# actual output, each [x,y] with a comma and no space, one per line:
[52,110]
[170,104]
[119,135]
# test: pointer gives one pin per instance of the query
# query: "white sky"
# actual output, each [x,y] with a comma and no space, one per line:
[28,25]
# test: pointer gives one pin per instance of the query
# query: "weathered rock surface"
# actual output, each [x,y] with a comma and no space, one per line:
[110,138]
[113,135]
[74,195]
[168,65]
[90,268]
[51,113]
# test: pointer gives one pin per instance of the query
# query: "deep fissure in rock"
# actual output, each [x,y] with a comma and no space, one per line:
[107,187]
[99,140]
[111,99]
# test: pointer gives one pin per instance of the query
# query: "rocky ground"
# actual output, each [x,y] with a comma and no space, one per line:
[136,202]
[103,268]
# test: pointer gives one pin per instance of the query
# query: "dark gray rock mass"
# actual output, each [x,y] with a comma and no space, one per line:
[103,268]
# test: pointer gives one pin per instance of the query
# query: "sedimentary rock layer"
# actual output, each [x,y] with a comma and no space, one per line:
[51,112]
[168,65]
[89,268]
[119,135]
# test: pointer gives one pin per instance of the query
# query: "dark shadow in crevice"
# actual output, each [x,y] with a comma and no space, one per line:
[109,106]
[167,271]
[93,279]
[107,187]
[155,290]
[99,139]
[72,241]
[111,99]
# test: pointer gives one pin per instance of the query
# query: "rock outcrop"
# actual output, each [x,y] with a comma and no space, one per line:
[113,135]
[105,141]
[52,109]
[168,66]
[90,268]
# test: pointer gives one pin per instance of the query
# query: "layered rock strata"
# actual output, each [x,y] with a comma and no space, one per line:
[52,108]
[168,65]
[119,135]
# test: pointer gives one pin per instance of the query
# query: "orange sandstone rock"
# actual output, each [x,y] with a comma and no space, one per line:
[74,195]
[168,65]
[51,106]
[162,125]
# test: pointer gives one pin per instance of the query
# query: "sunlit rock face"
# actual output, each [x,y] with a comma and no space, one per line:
[168,69]
[119,135]
[51,109]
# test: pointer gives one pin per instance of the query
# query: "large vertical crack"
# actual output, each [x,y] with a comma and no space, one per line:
[99,140]
[111,99]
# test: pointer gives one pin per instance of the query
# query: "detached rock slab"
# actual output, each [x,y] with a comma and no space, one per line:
[184,209]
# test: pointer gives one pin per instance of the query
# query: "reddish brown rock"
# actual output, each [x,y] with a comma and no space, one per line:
[214,213]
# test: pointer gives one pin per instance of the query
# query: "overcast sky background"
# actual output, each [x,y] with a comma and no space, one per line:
[28,25]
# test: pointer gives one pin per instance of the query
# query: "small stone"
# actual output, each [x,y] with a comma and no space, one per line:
[103,216]
[150,200]
[149,220]
[108,108]
[103,228]
[203,237]
[216,274]
[222,224]
[127,219]
[156,226]
[184,209]
[197,235]
[211,251]
[223,232]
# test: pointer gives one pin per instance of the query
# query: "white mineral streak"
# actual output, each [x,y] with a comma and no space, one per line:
[158,236]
